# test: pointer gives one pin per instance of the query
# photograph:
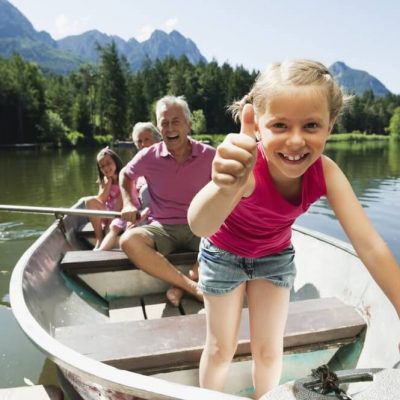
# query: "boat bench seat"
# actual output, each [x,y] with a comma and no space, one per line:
[173,343]
[86,235]
[89,261]
[86,230]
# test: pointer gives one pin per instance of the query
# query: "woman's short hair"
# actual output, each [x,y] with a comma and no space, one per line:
[145,126]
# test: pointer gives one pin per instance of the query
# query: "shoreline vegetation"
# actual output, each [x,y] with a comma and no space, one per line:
[211,139]
[97,105]
[356,136]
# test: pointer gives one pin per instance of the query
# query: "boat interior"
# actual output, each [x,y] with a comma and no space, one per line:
[142,332]
[100,305]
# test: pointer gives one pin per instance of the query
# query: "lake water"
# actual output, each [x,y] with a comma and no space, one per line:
[57,178]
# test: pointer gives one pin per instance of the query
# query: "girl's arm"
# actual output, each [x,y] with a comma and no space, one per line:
[231,179]
[104,189]
[368,244]
[119,204]
[210,207]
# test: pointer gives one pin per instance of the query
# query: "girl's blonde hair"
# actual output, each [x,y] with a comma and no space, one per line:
[278,76]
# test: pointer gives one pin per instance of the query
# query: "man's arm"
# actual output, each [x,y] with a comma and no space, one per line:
[129,212]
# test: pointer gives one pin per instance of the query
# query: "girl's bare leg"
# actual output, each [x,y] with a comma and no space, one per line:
[268,308]
[93,203]
[110,239]
[223,319]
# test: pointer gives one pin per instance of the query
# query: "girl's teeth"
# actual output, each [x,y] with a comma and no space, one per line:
[293,158]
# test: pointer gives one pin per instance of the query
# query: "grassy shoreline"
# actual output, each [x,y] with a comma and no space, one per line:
[356,137]
[212,139]
[215,139]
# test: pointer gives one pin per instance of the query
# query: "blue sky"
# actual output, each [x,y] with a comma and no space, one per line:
[364,34]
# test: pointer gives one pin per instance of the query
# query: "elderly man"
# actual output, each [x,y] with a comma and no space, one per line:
[175,170]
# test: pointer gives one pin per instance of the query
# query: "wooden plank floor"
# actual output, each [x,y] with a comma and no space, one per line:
[152,306]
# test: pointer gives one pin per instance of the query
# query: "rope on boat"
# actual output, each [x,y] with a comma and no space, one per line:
[328,383]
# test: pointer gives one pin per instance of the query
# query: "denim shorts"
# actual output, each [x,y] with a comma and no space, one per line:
[221,271]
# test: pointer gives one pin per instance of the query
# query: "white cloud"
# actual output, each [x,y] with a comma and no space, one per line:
[146,30]
[170,24]
[64,26]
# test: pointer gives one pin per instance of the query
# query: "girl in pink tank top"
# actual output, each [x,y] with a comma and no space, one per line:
[246,212]
[108,198]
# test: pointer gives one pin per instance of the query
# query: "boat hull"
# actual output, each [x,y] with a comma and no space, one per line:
[44,299]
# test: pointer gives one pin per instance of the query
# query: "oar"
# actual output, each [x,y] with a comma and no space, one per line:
[60,211]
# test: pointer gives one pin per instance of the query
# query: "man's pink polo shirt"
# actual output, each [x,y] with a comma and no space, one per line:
[171,185]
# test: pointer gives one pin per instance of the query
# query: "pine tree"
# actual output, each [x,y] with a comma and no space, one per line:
[112,92]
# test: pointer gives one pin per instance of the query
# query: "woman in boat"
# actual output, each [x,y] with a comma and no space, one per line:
[262,180]
[109,165]
[144,134]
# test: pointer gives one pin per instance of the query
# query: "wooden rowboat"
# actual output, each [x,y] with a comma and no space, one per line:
[112,334]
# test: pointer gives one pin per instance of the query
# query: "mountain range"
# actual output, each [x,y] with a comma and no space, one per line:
[17,35]
[356,81]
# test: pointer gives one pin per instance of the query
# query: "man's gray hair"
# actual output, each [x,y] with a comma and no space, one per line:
[170,101]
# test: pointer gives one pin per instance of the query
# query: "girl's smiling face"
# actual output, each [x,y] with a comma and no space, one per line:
[294,129]
[107,166]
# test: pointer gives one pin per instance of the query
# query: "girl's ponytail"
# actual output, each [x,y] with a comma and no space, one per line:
[236,107]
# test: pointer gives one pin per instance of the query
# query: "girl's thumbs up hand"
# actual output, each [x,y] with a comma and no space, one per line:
[236,155]
[248,125]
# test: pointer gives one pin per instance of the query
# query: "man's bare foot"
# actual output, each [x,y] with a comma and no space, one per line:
[174,295]
[194,274]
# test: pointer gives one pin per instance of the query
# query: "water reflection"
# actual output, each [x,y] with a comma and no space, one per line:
[373,169]
[15,230]
[378,159]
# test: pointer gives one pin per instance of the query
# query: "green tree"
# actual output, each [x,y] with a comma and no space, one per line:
[84,106]
[112,92]
[22,100]
[60,96]
[394,126]
[80,115]
[137,106]
[54,130]
[213,101]
[199,124]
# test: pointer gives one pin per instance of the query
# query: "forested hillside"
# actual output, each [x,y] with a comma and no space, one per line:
[103,102]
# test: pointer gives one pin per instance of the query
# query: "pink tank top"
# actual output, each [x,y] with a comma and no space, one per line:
[112,198]
[261,224]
